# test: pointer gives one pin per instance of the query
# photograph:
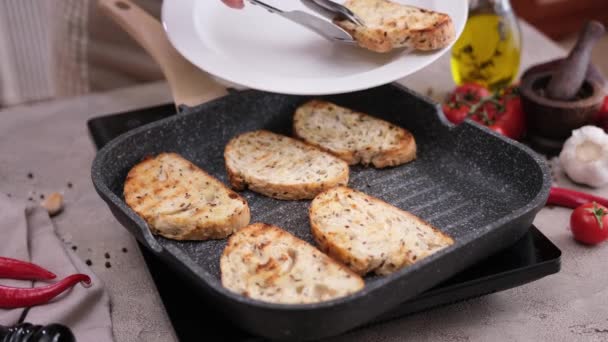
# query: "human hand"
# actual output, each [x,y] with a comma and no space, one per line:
[234,3]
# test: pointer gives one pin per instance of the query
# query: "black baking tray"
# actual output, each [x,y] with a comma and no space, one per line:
[482,189]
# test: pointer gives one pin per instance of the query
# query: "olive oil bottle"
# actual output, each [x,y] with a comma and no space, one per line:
[489,49]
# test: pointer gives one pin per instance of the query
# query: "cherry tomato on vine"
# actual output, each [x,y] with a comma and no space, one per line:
[470,92]
[456,113]
[501,111]
[459,103]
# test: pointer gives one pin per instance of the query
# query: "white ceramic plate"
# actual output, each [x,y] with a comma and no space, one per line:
[264,51]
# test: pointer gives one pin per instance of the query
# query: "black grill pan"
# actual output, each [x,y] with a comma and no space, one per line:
[481,188]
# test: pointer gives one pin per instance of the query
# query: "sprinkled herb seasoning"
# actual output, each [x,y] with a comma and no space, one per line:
[107,255]
[124,250]
[30,175]
[74,248]
[108,265]
[70,185]
[88,262]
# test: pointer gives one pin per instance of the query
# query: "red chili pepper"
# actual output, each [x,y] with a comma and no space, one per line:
[572,199]
[17,269]
[15,297]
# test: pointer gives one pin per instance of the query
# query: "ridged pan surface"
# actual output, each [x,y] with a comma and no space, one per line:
[480,188]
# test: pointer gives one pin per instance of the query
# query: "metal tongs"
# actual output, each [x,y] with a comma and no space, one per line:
[326,8]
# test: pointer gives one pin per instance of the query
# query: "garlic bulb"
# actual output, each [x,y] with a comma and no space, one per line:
[584,156]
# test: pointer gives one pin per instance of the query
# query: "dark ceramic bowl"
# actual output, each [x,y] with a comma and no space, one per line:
[556,119]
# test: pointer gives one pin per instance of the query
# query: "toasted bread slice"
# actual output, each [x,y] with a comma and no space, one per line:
[182,202]
[352,136]
[369,235]
[390,25]
[281,167]
[267,263]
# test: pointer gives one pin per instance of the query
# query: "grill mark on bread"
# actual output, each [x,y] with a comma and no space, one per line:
[355,137]
[385,239]
[264,262]
[180,201]
[281,167]
[389,25]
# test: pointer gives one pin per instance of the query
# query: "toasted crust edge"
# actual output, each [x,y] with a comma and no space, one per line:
[428,39]
[404,153]
[199,232]
[361,267]
[282,191]
[339,254]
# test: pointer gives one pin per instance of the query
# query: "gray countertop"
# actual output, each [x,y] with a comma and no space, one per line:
[50,140]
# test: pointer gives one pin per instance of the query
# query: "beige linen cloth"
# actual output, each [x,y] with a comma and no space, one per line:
[56,48]
[27,233]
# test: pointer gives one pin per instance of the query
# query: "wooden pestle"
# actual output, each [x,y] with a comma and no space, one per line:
[593,73]
[570,76]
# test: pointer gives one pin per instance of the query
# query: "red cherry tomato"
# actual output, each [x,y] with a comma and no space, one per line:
[512,122]
[455,112]
[501,112]
[589,223]
[459,102]
[470,92]
[499,130]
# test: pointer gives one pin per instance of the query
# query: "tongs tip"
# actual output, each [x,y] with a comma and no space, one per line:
[333,10]
[355,19]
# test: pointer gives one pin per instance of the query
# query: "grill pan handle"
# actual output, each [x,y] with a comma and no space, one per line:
[189,85]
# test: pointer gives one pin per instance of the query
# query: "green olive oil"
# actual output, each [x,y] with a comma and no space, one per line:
[488,51]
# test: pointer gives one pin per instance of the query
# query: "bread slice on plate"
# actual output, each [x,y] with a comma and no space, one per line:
[281,167]
[390,25]
[266,263]
[369,235]
[180,201]
[354,137]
